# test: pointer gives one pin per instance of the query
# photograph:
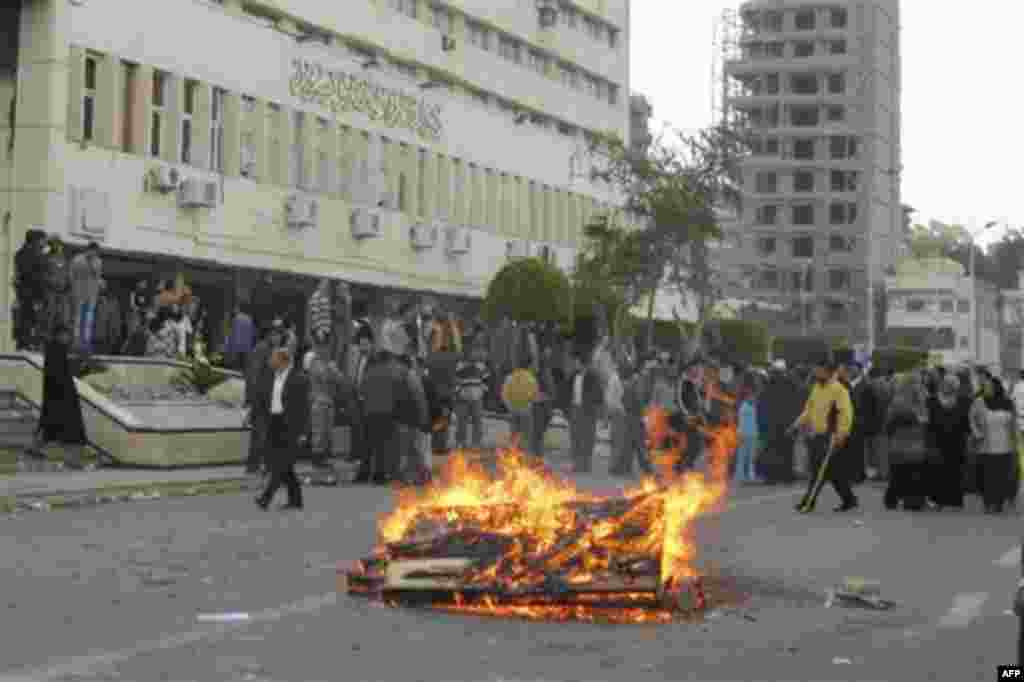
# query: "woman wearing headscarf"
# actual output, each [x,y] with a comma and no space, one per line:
[949,426]
[61,417]
[907,429]
[994,429]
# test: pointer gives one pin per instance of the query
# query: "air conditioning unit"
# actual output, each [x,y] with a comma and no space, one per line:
[517,248]
[543,252]
[365,224]
[460,240]
[302,211]
[424,236]
[164,179]
[89,212]
[447,43]
[196,193]
[387,201]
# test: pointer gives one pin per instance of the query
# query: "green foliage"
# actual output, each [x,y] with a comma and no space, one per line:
[800,350]
[201,375]
[528,290]
[899,358]
[743,342]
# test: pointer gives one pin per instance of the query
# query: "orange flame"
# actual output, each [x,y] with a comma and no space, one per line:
[543,514]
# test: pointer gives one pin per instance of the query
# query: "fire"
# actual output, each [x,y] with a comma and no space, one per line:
[535,537]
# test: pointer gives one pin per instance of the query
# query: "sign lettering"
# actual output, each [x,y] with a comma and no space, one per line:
[341,93]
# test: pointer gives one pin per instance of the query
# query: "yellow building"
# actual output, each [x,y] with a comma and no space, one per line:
[395,144]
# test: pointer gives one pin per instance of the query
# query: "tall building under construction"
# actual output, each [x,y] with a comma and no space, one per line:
[814,89]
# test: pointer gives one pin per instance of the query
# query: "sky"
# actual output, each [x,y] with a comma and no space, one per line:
[962,100]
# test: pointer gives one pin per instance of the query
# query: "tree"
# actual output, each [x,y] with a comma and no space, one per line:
[528,290]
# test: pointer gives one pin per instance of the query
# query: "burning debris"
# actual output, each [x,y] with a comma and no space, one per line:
[525,543]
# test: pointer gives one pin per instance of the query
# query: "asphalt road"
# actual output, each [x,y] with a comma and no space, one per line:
[113,593]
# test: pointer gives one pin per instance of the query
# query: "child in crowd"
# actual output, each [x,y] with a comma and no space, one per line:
[471,377]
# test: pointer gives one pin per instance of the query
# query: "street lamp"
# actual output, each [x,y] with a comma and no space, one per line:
[804,273]
[975,329]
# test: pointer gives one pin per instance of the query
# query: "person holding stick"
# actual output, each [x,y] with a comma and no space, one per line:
[827,419]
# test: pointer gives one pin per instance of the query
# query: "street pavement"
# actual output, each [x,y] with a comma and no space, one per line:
[115,593]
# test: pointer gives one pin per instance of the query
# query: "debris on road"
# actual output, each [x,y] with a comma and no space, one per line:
[222,617]
[841,661]
[858,593]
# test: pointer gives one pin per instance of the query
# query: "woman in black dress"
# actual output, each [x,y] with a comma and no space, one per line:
[949,426]
[61,417]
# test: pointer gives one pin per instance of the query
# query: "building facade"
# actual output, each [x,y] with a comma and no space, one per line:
[400,144]
[934,305]
[814,88]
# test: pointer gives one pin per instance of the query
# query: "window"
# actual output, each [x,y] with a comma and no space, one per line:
[565,129]
[841,243]
[771,145]
[767,215]
[842,147]
[478,35]
[406,7]
[803,48]
[836,83]
[441,18]
[835,312]
[217,130]
[157,117]
[538,62]
[772,21]
[407,70]
[768,279]
[803,247]
[766,245]
[509,48]
[836,113]
[803,84]
[803,214]
[803,149]
[773,50]
[297,154]
[916,305]
[947,305]
[613,94]
[837,17]
[842,213]
[569,75]
[247,145]
[804,20]
[844,181]
[964,343]
[803,279]
[837,47]
[129,76]
[188,109]
[571,16]
[771,83]
[421,185]
[89,98]
[804,117]
[766,182]
[838,279]
[613,37]
[963,306]
[803,181]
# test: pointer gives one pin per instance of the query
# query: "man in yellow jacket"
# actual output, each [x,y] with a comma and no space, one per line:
[826,422]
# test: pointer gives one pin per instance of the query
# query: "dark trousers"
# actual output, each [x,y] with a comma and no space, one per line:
[257,442]
[996,474]
[583,434]
[540,418]
[776,460]
[817,448]
[384,446]
[907,484]
[282,463]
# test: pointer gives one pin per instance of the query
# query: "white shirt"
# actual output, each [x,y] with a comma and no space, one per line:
[577,389]
[276,396]
[184,328]
[1018,401]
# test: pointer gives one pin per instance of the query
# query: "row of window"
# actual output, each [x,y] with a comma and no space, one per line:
[772,279]
[341,161]
[803,247]
[512,49]
[767,182]
[839,213]
[798,49]
[591,26]
[798,84]
[799,115]
[804,19]
[840,147]
[916,304]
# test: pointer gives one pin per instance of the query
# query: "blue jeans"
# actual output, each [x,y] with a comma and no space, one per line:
[746,454]
[85,320]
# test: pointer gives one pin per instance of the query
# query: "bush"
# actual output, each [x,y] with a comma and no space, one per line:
[528,290]
[899,359]
[801,350]
[743,342]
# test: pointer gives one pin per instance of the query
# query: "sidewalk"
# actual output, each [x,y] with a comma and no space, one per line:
[28,490]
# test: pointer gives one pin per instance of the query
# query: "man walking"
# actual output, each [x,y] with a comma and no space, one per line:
[827,419]
[257,367]
[30,290]
[286,401]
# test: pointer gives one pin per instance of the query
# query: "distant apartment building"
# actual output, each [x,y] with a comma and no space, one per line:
[814,89]
[934,305]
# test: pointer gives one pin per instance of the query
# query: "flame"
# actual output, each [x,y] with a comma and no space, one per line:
[553,535]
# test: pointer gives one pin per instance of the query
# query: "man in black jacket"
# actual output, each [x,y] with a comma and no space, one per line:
[283,394]
[256,370]
[30,289]
[779,404]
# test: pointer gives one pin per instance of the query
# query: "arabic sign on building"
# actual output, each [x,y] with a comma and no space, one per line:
[340,93]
